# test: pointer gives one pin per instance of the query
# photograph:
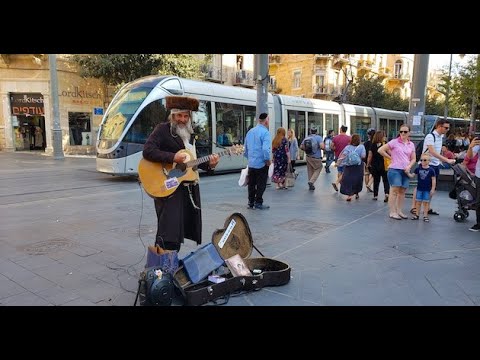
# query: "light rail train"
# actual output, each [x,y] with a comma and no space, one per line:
[225,115]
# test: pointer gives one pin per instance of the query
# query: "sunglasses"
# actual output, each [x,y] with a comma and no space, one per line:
[446,128]
[404,131]
[424,159]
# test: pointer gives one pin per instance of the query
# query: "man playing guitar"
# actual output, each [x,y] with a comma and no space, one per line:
[179,214]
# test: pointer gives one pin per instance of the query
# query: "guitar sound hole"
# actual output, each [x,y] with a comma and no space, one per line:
[177,172]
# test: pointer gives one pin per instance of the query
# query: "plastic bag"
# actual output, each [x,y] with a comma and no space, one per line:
[243,181]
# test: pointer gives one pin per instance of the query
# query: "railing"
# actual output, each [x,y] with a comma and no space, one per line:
[244,77]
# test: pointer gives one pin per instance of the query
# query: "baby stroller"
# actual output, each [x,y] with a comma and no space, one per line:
[464,192]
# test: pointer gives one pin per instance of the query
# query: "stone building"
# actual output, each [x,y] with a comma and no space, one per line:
[327,76]
[26,112]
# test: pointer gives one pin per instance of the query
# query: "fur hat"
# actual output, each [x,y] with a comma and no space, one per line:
[182,103]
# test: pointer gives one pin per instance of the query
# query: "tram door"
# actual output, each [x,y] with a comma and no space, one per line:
[296,120]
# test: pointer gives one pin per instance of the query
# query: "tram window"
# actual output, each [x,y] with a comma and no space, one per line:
[229,124]
[316,120]
[331,123]
[202,127]
[151,115]
[359,125]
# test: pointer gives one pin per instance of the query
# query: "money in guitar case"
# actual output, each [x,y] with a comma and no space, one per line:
[234,238]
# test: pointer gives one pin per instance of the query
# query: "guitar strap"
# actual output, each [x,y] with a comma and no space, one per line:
[189,187]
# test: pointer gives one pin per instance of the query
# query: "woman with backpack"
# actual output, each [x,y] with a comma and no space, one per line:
[352,159]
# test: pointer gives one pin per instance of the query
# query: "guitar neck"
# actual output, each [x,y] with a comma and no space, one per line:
[203,159]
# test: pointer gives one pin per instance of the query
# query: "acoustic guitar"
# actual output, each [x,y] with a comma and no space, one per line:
[162,179]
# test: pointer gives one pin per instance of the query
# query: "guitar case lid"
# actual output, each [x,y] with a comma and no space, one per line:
[234,238]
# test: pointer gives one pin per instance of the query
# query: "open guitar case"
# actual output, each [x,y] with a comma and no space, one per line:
[239,241]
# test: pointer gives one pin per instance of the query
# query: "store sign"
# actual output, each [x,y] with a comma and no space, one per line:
[97,111]
[30,103]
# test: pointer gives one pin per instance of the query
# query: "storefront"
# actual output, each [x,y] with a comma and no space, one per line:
[26,114]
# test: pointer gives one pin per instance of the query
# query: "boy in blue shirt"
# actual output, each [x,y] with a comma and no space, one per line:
[426,185]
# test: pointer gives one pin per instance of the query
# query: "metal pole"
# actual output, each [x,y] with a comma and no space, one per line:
[447,94]
[417,99]
[57,130]
[472,129]
[417,105]
[261,79]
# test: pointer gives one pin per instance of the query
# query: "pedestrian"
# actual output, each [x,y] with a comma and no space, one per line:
[352,179]
[402,153]
[367,175]
[426,185]
[258,149]
[433,145]
[281,158]
[339,142]
[473,148]
[179,215]
[293,147]
[329,153]
[376,166]
[314,156]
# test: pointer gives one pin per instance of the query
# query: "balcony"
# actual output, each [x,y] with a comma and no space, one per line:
[400,77]
[244,78]
[384,72]
[322,56]
[212,73]
[319,89]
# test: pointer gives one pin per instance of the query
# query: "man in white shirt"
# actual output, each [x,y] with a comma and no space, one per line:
[433,145]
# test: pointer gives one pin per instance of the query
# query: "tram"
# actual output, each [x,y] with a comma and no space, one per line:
[225,115]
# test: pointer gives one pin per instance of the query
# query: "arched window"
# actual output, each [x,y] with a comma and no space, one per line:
[398,69]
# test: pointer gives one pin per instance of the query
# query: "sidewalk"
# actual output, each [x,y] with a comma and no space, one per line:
[72,236]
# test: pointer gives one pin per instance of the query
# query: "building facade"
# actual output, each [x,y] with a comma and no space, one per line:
[26,112]
[229,69]
[327,76]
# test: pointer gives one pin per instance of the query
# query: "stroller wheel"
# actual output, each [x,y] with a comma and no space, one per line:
[465,212]
[459,216]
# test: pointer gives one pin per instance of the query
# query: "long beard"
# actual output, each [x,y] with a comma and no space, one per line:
[184,132]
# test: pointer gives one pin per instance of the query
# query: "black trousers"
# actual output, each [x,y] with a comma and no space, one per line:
[257,182]
[477,199]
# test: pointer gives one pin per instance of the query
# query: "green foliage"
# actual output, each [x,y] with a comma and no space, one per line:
[435,107]
[370,91]
[367,92]
[116,69]
[465,86]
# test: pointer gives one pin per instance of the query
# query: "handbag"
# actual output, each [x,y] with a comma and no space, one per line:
[243,181]
[166,260]
[290,177]
[199,264]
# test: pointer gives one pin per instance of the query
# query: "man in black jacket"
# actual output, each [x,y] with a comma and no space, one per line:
[179,214]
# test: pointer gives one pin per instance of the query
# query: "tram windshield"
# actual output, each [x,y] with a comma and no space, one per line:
[120,113]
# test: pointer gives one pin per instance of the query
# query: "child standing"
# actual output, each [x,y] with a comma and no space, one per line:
[426,185]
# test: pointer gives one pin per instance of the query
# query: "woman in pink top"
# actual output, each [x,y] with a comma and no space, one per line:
[402,153]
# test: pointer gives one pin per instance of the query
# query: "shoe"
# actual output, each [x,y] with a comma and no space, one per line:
[251,206]
[415,217]
[369,189]
[310,186]
[386,198]
[395,216]
[335,186]
[327,171]
[432,212]
[374,198]
[475,228]
[349,198]
[426,219]
[261,207]
[403,216]
[357,196]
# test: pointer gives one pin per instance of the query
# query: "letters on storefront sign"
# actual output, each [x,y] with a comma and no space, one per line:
[30,103]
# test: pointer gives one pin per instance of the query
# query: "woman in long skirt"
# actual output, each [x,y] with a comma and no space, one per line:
[352,180]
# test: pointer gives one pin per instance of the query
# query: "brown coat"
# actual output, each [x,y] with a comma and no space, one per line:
[177,217]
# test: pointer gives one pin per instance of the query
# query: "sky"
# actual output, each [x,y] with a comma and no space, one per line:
[437,61]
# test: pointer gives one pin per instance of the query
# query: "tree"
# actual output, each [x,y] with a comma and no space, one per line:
[465,86]
[116,69]
[367,92]
[437,107]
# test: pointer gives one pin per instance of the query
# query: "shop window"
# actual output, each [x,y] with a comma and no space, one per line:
[80,128]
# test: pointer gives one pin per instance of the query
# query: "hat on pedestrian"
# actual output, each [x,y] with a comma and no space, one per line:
[371,131]
[313,130]
[181,103]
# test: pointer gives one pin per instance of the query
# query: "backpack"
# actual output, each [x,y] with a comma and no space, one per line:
[308,146]
[328,144]
[419,147]
[352,158]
